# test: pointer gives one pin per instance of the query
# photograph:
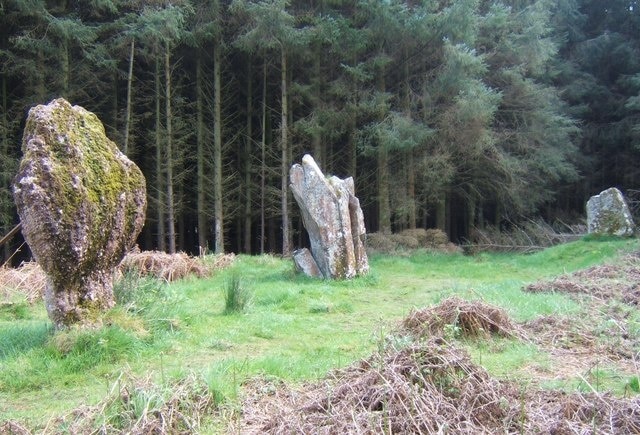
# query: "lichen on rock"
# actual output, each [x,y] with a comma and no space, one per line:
[333,218]
[82,205]
[608,214]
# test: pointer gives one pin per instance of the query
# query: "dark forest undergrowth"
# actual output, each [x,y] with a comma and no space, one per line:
[427,342]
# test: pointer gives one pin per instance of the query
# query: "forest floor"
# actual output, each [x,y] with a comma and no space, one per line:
[427,343]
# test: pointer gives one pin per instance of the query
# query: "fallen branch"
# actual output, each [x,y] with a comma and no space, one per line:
[10,234]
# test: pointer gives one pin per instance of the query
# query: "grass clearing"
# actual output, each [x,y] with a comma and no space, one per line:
[295,328]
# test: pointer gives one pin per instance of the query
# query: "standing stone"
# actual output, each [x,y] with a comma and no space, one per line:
[608,213]
[333,218]
[81,203]
[305,263]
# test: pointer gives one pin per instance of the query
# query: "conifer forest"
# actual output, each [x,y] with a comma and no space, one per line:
[450,114]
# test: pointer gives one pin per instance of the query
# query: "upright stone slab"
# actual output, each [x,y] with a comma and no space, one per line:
[333,218]
[608,213]
[81,203]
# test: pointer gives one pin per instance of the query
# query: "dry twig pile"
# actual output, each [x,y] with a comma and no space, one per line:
[432,387]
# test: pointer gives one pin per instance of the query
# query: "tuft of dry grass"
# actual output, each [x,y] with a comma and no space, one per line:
[29,280]
[135,406]
[171,267]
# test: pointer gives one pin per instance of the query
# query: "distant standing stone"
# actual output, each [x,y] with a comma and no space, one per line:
[333,218]
[81,203]
[608,213]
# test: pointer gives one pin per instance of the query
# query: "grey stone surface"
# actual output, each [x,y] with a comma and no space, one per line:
[82,205]
[608,214]
[305,263]
[333,218]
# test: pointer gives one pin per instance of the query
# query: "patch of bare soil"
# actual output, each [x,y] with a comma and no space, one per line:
[431,386]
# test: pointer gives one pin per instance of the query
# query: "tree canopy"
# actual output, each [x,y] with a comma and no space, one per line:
[448,114]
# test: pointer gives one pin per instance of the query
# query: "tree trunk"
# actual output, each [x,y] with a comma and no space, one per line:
[65,72]
[127,121]
[6,217]
[411,189]
[247,164]
[171,224]
[263,156]
[217,152]
[316,137]
[284,168]
[384,209]
[409,161]
[200,158]
[160,203]
[384,200]
[441,213]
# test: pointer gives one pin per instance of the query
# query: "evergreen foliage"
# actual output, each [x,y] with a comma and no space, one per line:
[448,114]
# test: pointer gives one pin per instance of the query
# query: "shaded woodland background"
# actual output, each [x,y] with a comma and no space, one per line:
[449,114]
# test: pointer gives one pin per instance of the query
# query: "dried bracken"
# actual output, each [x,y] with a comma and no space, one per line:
[430,386]
[457,317]
[603,282]
[28,280]
[171,267]
[610,294]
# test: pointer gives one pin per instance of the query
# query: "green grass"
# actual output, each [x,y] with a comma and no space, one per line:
[294,329]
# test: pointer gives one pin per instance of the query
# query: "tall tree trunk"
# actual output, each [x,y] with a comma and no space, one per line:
[441,213]
[200,158]
[316,137]
[409,157]
[6,217]
[284,168]
[217,151]
[263,157]
[65,67]
[384,200]
[352,146]
[411,189]
[384,208]
[171,223]
[127,121]
[470,216]
[162,232]
[247,163]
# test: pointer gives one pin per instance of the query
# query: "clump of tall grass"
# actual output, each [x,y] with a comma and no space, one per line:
[138,405]
[237,295]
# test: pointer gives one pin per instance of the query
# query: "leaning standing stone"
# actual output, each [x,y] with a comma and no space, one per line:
[608,213]
[333,218]
[81,203]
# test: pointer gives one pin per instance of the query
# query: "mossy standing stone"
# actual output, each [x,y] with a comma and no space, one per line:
[82,205]
[608,214]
